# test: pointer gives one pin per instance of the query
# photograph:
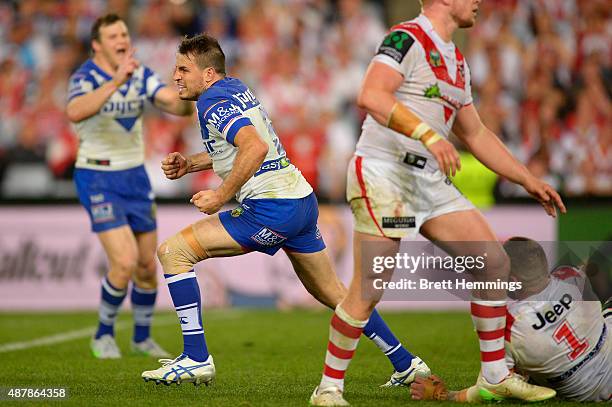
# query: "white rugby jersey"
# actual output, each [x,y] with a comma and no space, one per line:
[560,341]
[111,139]
[436,85]
[223,109]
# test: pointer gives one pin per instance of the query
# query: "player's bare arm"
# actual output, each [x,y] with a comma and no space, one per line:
[85,106]
[167,99]
[251,154]
[377,96]
[489,150]
[175,165]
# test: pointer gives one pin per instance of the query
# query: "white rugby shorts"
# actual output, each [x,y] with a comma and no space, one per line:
[393,199]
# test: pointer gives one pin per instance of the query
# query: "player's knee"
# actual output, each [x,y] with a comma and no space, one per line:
[146,267]
[124,267]
[145,281]
[176,256]
[146,276]
[500,261]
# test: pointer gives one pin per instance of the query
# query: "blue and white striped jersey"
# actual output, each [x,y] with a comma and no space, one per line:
[111,140]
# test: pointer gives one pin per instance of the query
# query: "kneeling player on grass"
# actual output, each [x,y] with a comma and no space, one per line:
[278,210]
[553,337]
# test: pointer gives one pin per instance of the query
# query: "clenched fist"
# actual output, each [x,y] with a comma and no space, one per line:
[175,165]
[208,202]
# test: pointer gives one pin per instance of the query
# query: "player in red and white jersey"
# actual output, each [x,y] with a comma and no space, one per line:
[435,85]
[554,336]
[416,91]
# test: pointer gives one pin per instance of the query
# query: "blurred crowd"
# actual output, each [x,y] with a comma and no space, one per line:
[540,76]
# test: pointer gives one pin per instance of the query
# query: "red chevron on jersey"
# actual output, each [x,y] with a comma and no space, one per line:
[434,57]
[565,272]
[448,113]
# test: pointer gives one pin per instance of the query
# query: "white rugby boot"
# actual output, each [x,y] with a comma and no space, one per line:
[105,347]
[405,378]
[182,370]
[329,396]
[513,387]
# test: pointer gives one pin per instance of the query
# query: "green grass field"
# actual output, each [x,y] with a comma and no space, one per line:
[263,358]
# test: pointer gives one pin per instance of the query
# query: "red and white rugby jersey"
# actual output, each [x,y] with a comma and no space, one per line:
[559,340]
[436,85]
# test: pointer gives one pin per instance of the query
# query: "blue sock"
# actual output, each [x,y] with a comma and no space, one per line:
[185,293]
[143,301]
[112,298]
[379,333]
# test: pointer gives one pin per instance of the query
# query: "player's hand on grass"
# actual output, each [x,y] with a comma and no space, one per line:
[428,388]
[446,155]
[545,194]
[126,68]
[208,201]
[175,165]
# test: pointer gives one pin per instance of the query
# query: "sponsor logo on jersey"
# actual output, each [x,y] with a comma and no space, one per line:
[396,45]
[124,108]
[102,212]
[222,114]
[398,222]
[268,238]
[433,91]
[273,165]
[247,99]
[434,58]
[557,310]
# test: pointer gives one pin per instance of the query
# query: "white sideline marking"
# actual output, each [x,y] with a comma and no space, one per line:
[88,332]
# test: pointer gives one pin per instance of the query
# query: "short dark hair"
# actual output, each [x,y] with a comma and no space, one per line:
[527,259]
[206,50]
[103,21]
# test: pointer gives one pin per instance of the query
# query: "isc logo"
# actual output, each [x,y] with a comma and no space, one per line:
[267,237]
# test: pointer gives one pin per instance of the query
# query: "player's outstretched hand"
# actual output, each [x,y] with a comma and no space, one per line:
[208,202]
[446,155]
[175,165]
[428,388]
[546,195]
[126,67]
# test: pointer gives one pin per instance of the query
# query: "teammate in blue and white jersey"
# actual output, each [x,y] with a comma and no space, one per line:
[278,209]
[106,100]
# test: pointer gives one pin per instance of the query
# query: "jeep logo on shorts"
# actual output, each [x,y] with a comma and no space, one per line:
[267,237]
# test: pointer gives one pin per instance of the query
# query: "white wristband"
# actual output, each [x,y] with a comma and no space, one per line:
[420,131]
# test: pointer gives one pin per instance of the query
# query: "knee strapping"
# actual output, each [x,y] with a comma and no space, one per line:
[181,252]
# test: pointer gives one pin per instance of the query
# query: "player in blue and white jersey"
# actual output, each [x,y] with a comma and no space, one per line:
[278,209]
[106,100]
